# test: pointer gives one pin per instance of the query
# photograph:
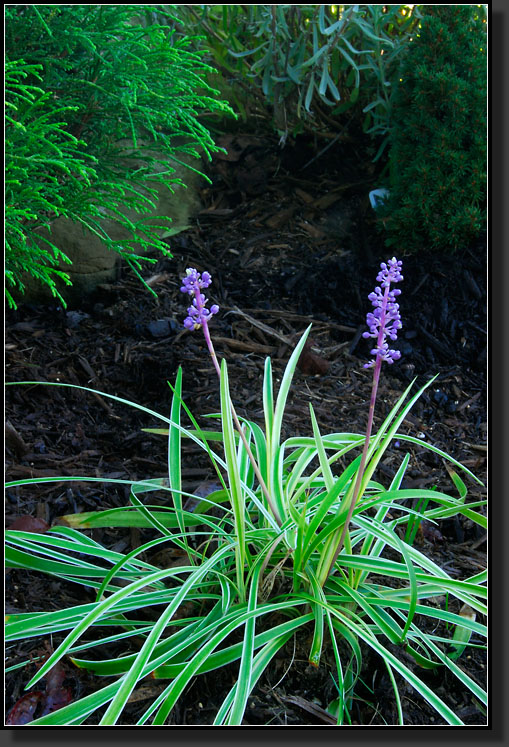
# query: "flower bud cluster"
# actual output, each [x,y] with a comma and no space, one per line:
[192,284]
[385,320]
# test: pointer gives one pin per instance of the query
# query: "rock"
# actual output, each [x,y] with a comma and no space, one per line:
[73,318]
[92,262]
[159,328]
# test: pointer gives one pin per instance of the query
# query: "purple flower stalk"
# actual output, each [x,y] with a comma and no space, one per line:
[385,320]
[198,314]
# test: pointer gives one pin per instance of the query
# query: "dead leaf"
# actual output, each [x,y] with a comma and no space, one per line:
[29,524]
[235,145]
[311,230]
[156,279]
[327,200]
[145,692]
[260,325]
[310,707]
[251,347]
[305,196]
[56,696]
[430,532]
[23,711]
[278,220]
[310,363]
[37,704]
[14,441]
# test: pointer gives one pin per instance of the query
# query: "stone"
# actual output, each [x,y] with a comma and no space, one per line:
[92,262]
[159,328]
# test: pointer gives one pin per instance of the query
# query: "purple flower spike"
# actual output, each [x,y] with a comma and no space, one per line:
[385,320]
[198,314]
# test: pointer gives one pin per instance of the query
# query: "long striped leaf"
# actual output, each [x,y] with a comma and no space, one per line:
[235,485]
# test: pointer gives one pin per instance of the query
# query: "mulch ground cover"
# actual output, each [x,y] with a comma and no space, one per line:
[288,243]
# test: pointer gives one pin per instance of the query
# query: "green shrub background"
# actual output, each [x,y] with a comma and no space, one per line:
[81,82]
[92,90]
[309,68]
[438,139]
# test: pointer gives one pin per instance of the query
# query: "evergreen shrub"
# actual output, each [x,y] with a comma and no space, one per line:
[92,91]
[438,140]
[317,68]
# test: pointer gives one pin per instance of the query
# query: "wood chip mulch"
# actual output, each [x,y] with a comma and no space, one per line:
[286,247]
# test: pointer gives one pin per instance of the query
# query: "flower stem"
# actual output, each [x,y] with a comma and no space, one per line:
[360,473]
[238,426]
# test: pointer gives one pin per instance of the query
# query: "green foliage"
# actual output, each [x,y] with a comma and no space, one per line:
[40,155]
[100,101]
[311,63]
[438,139]
[253,576]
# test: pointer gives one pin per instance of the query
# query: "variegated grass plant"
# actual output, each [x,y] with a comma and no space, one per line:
[291,544]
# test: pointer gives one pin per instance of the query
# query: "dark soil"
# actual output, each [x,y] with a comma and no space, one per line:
[287,244]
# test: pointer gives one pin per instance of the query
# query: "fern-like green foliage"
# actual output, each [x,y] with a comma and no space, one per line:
[438,143]
[92,92]
[40,156]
